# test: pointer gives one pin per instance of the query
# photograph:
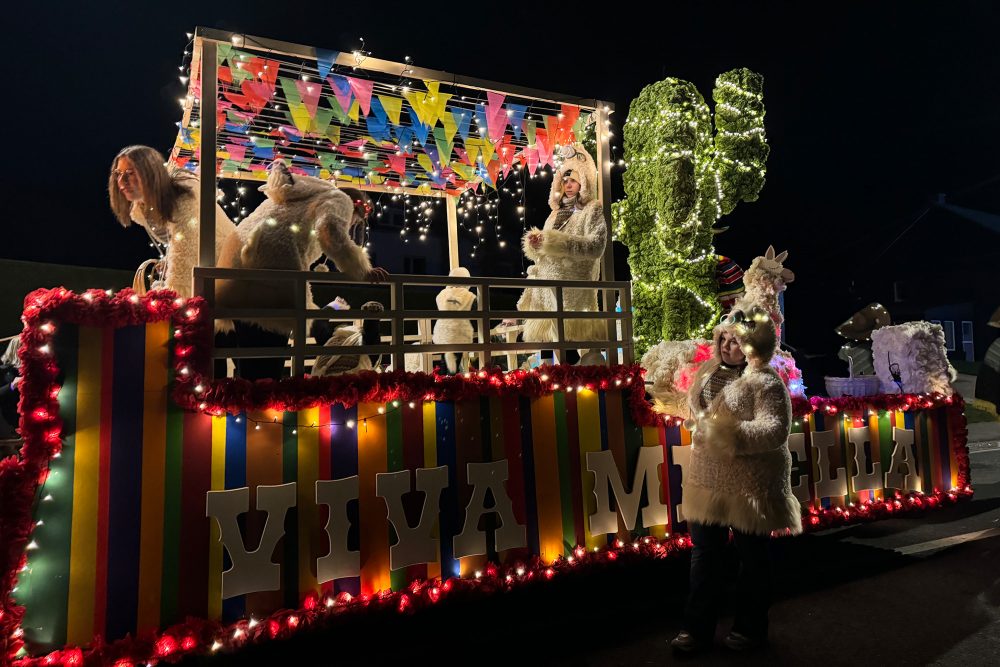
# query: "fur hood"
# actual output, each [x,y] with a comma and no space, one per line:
[578,165]
[740,470]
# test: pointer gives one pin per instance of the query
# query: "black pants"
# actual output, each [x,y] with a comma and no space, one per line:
[708,574]
[251,335]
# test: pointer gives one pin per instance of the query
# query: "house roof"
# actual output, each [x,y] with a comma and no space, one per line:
[987,220]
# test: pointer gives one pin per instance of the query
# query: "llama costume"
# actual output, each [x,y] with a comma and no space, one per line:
[740,469]
[573,241]
[302,218]
[180,233]
[454,297]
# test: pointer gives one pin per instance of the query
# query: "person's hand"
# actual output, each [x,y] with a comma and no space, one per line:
[16,381]
[377,275]
[535,239]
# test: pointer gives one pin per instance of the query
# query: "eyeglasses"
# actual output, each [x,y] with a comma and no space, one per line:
[127,175]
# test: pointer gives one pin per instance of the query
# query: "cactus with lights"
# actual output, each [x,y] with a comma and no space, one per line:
[683,174]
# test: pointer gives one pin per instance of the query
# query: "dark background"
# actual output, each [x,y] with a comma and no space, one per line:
[871,111]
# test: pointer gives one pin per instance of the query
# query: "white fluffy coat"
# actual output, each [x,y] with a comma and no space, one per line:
[453,331]
[302,218]
[571,253]
[181,235]
[740,468]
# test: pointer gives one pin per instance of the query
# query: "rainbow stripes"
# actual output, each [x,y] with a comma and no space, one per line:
[125,545]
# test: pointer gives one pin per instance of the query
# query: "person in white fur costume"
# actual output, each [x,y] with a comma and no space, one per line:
[454,297]
[739,477]
[302,218]
[568,247]
[165,203]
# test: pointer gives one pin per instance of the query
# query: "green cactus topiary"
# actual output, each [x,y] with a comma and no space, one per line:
[682,176]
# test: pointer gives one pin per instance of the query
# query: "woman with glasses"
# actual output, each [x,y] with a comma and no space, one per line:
[165,203]
[738,478]
[568,247]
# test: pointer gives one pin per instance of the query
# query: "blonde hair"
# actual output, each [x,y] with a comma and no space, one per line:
[159,188]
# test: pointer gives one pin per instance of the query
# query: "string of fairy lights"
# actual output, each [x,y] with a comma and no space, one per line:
[478,211]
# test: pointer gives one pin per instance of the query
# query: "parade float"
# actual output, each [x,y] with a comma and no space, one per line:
[158,511]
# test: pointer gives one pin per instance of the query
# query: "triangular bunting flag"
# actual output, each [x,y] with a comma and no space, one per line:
[355,111]
[362,90]
[448,124]
[472,147]
[290,90]
[333,134]
[419,129]
[376,108]
[482,121]
[462,155]
[398,164]
[443,144]
[393,106]
[517,112]
[570,113]
[299,116]
[341,90]
[325,60]
[310,93]
[529,131]
[321,121]
[462,117]
[338,111]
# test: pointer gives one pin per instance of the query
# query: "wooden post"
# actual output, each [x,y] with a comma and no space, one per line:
[452,208]
[207,188]
[604,192]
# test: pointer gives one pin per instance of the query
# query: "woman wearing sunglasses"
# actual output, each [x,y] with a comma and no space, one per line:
[738,479]
[165,203]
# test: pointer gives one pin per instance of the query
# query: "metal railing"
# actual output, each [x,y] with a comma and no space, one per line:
[617,345]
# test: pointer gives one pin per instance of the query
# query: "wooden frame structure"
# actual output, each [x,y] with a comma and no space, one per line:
[206,43]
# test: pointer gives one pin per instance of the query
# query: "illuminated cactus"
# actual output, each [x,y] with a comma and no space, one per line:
[682,175]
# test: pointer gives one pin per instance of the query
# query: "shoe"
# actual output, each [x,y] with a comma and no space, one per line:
[736,641]
[685,642]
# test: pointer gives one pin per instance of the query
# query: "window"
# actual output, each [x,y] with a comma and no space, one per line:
[949,335]
[967,345]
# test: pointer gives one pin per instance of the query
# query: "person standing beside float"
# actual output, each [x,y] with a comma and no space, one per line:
[569,246]
[739,479]
[165,202]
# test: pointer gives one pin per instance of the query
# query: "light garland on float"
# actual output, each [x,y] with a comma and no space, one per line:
[683,175]
[22,478]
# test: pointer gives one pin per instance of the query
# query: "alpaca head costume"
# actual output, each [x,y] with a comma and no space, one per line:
[454,297]
[578,165]
[764,280]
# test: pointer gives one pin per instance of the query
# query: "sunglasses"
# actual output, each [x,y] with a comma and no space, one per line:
[123,175]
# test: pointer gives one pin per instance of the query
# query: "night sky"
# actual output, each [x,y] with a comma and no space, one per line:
[871,111]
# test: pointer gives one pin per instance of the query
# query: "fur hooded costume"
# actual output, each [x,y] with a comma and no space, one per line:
[302,218]
[740,468]
[181,234]
[454,297]
[571,249]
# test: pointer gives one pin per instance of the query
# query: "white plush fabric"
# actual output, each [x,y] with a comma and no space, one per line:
[573,252]
[740,468]
[453,331]
[181,234]
[302,218]
[919,349]
[670,367]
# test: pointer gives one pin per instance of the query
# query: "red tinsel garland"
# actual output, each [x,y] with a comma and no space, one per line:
[41,430]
